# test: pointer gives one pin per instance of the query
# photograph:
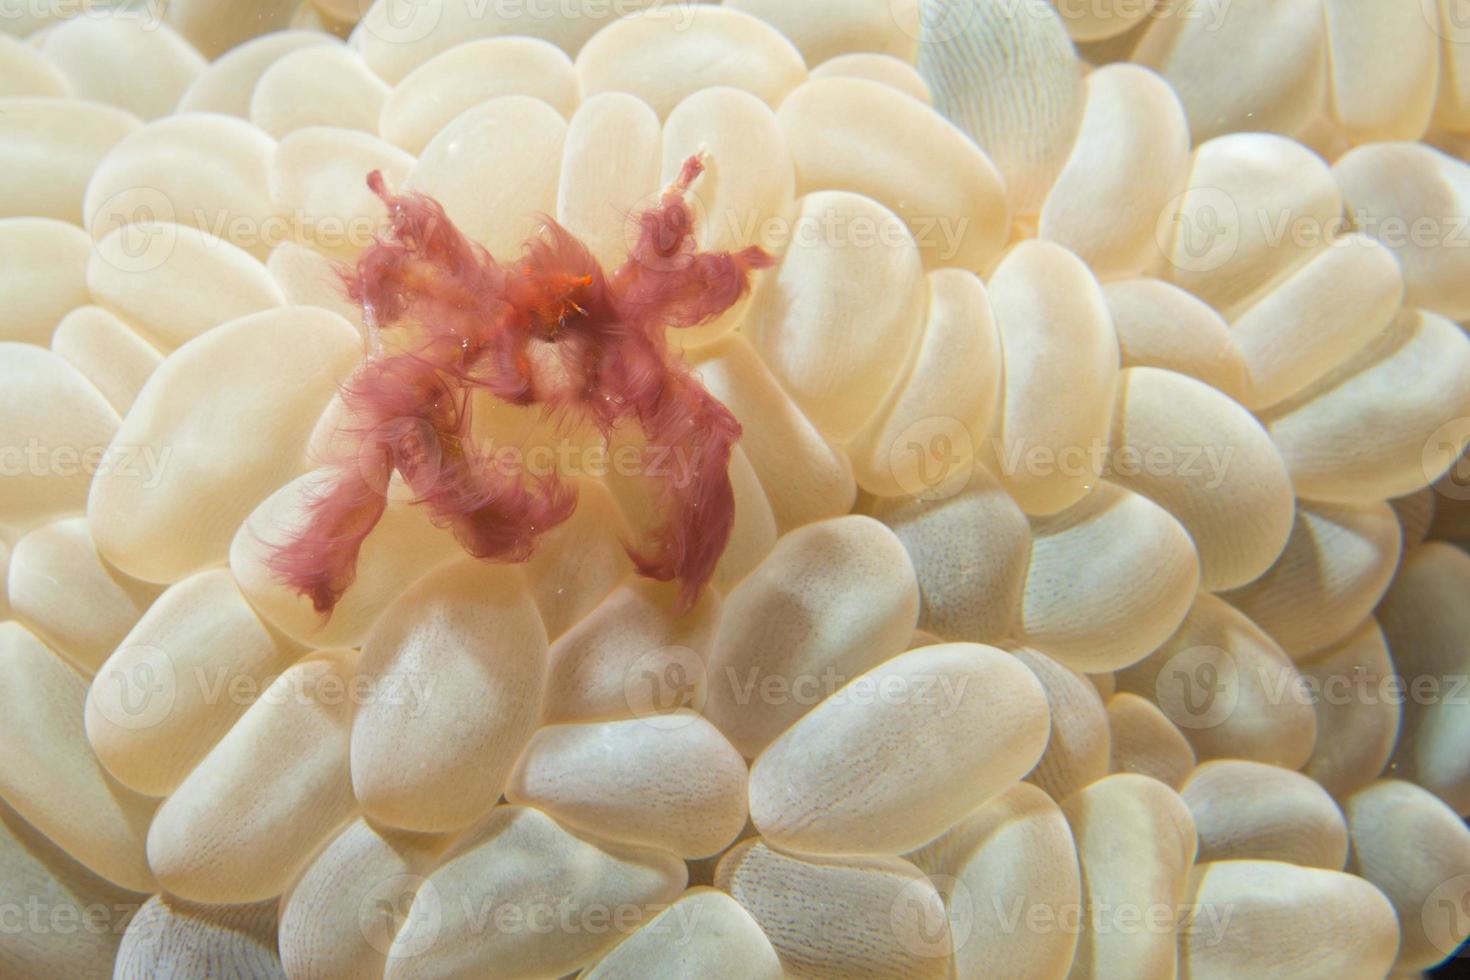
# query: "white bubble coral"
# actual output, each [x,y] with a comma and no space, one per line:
[1082,596]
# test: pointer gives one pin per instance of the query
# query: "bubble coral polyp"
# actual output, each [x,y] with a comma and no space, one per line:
[446,319]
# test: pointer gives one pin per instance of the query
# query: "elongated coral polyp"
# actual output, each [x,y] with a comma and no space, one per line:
[445,319]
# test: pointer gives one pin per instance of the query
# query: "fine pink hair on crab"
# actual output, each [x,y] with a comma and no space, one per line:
[445,319]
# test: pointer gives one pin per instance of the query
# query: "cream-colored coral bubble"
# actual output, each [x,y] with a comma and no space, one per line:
[1317,318]
[1017,846]
[746,195]
[1275,918]
[451,675]
[1424,621]
[805,477]
[490,163]
[668,781]
[49,148]
[251,814]
[830,601]
[856,135]
[62,588]
[1135,842]
[1007,75]
[318,186]
[1052,426]
[1370,429]
[1078,750]
[519,861]
[670,52]
[179,680]
[108,352]
[228,82]
[748,188]
[1160,325]
[1229,688]
[307,277]
[51,776]
[970,546]
[24,71]
[1256,207]
[900,753]
[169,933]
[1129,162]
[1414,199]
[1274,53]
[833,917]
[1109,580]
[1417,852]
[1385,67]
[1336,565]
[177,465]
[34,869]
[199,170]
[631,656]
[1146,742]
[834,351]
[145,272]
[884,68]
[1358,698]
[339,918]
[45,276]
[1249,810]
[610,162]
[54,428]
[705,932]
[124,61]
[402,548]
[949,395]
[459,79]
[1207,461]
[344,92]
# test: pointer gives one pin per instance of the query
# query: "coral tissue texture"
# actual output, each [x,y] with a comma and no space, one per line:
[850,488]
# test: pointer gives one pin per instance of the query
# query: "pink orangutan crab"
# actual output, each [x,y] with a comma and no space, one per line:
[445,319]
